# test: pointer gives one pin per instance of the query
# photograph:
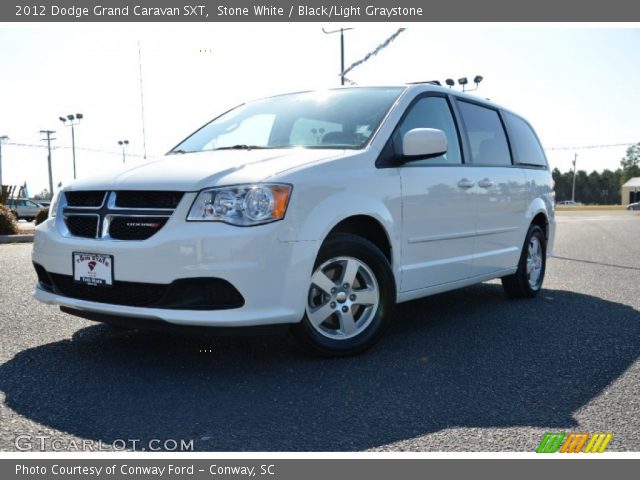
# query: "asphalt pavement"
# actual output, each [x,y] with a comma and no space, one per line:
[469,370]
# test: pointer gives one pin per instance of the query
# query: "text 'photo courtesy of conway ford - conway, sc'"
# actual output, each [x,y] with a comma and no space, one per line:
[316,211]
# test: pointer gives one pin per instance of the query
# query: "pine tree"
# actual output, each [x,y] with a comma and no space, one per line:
[630,164]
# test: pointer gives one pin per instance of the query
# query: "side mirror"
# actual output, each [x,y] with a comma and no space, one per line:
[423,143]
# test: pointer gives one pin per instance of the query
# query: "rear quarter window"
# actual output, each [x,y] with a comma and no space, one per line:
[527,148]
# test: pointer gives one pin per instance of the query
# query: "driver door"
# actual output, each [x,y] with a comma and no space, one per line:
[438,208]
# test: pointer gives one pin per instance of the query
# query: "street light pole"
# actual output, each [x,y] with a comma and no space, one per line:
[73,148]
[573,188]
[3,139]
[73,121]
[123,144]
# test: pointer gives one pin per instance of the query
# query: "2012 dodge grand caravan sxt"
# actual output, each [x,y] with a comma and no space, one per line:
[320,210]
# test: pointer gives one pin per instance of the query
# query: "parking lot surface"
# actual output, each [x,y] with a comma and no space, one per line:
[469,370]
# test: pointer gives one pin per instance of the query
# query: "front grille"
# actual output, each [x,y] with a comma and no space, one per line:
[85,199]
[144,199]
[120,215]
[183,294]
[135,228]
[83,225]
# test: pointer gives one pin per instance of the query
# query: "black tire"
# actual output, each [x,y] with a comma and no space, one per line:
[519,285]
[346,248]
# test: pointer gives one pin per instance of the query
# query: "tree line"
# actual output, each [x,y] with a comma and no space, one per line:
[599,188]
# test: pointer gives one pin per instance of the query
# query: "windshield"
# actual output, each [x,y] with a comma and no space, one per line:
[344,118]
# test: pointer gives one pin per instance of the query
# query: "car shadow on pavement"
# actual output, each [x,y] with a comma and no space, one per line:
[470,358]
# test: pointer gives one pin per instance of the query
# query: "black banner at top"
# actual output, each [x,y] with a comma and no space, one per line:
[317,11]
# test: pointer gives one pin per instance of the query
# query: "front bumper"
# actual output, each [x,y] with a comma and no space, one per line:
[271,275]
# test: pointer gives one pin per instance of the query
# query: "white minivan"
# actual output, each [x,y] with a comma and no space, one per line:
[316,211]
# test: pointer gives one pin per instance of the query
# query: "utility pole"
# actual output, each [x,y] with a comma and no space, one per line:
[342,30]
[3,138]
[48,134]
[573,189]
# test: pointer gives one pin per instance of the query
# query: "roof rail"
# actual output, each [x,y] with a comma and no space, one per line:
[432,82]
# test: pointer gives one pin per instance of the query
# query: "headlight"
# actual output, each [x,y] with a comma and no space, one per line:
[242,205]
[53,207]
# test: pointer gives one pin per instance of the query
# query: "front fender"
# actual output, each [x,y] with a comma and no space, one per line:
[315,211]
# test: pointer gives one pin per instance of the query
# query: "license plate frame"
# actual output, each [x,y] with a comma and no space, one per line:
[92,269]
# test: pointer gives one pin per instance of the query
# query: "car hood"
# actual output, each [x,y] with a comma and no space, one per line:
[195,171]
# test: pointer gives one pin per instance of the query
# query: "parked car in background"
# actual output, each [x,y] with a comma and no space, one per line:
[43,203]
[316,211]
[569,203]
[23,208]
[634,206]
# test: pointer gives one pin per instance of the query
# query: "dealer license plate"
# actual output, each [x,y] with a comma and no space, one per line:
[93,269]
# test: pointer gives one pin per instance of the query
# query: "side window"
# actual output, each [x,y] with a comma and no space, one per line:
[486,135]
[433,112]
[525,143]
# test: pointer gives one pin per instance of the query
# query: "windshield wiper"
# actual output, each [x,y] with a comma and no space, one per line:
[172,152]
[242,147]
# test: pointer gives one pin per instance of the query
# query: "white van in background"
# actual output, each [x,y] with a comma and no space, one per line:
[23,208]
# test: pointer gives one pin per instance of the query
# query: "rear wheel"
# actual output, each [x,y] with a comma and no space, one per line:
[350,297]
[527,281]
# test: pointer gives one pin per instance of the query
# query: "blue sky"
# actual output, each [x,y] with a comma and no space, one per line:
[577,85]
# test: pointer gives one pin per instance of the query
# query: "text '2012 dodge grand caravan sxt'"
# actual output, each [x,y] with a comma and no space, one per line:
[320,210]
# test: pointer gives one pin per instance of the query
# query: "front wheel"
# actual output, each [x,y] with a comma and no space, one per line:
[350,298]
[527,281]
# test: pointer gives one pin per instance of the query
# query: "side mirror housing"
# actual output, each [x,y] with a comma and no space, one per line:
[421,143]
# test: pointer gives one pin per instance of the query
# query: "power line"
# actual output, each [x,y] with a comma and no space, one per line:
[17,144]
[587,147]
[65,147]
[112,152]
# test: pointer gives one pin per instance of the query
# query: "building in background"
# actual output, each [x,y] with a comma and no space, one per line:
[631,191]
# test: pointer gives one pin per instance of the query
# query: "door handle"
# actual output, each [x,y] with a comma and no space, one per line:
[465,183]
[486,183]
